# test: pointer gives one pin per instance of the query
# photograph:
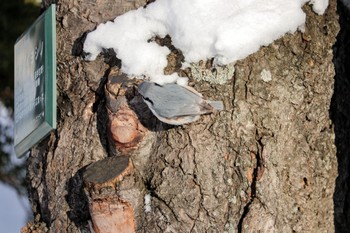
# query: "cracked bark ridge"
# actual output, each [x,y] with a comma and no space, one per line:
[109,212]
[125,130]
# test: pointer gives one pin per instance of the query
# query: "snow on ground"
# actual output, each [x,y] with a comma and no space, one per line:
[13,209]
[226,30]
[6,130]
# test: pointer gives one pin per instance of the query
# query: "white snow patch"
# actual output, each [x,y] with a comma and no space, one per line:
[226,30]
[319,6]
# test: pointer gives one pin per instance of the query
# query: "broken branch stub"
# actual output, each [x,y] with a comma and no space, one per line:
[107,172]
[112,216]
[109,213]
[125,130]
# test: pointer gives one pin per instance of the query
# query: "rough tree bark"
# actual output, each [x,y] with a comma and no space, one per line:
[266,164]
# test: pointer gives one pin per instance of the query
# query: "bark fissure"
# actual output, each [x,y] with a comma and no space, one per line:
[253,186]
[233,89]
[167,205]
[153,192]
[45,211]
[100,93]
[243,216]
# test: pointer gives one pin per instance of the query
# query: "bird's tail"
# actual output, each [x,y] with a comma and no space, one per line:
[217,105]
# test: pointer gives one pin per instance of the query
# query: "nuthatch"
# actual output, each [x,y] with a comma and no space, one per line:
[175,104]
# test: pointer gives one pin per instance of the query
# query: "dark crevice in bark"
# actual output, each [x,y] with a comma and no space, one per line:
[244,214]
[234,82]
[77,48]
[77,200]
[56,139]
[45,211]
[258,167]
[340,115]
[110,58]
[100,92]
[99,107]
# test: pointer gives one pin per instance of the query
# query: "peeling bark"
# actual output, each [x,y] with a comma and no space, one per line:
[267,163]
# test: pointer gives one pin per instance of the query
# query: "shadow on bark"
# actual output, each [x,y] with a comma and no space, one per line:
[78,201]
[340,115]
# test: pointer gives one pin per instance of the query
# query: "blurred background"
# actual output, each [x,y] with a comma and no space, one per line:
[15,17]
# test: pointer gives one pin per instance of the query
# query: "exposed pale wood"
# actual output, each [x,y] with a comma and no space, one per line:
[124,129]
[112,216]
[109,213]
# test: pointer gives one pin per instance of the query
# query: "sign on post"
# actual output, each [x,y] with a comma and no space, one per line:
[35,82]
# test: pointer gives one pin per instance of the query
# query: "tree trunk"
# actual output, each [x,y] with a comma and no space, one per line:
[267,163]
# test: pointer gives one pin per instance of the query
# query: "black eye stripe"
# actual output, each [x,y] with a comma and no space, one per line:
[148,100]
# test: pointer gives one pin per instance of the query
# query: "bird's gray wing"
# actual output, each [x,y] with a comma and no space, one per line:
[172,100]
[172,108]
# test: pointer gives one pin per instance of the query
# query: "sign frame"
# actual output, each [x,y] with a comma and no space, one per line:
[47,103]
